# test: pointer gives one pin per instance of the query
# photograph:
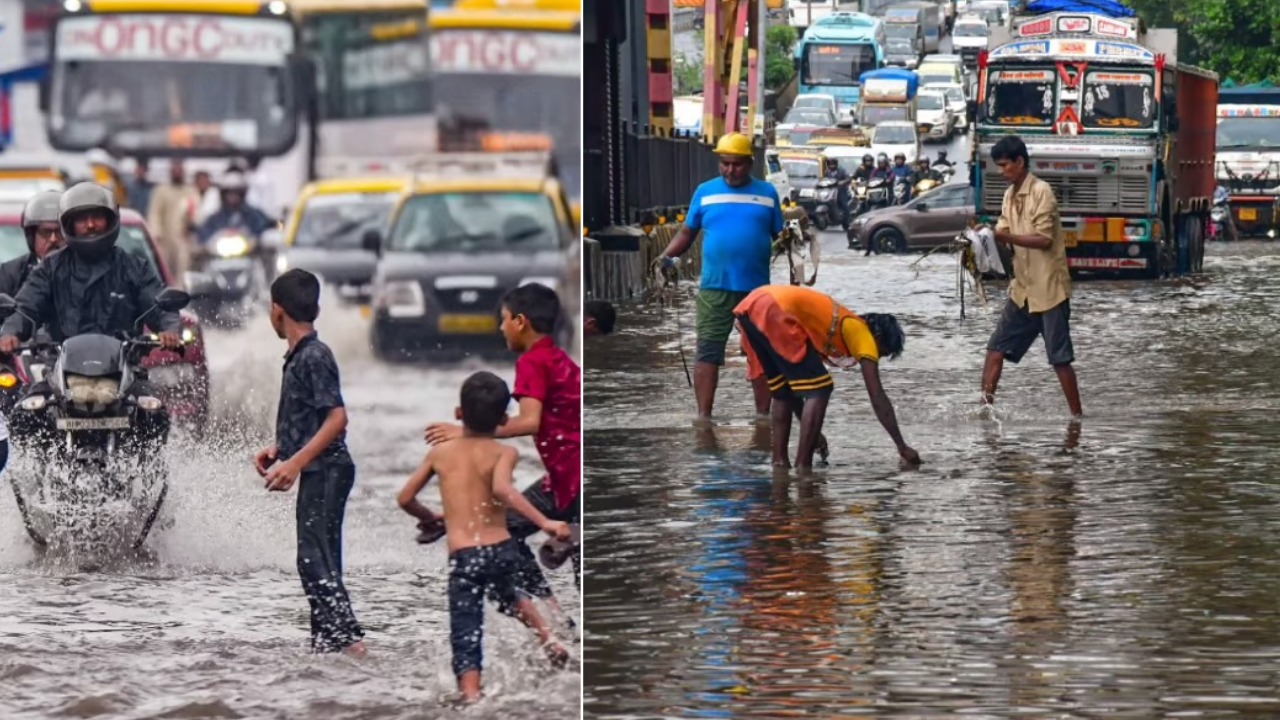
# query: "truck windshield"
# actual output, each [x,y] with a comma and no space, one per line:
[876,114]
[158,83]
[1118,100]
[1248,132]
[1020,97]
[971,30]
[837,64]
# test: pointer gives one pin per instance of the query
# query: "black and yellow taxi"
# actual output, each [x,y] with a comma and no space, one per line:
[471,227]
[325,231]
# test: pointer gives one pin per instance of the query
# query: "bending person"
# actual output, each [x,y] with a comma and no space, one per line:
[787,334]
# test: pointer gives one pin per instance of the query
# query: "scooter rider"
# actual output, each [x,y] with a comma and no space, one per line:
[841,176]
[942,161]
[924,172]
[44,235]
[865,170]
[882,168]
[235,211]
[93,287]
[902,173]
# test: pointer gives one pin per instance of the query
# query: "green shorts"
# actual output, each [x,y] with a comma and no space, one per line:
[714,322]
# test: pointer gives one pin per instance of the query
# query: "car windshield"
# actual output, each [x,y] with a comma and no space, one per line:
[954,95]
[13,242]
[133,240]
[812,102]
[340,220]
[800,167]
[900,47]
[972,30]
[938,78]
[931,101]
[807,116]
[894,135]
[516,222]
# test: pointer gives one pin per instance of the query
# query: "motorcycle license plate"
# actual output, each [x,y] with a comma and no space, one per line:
[1070,238]
[110,423]
[468,324]
[1248,214]
[806,192]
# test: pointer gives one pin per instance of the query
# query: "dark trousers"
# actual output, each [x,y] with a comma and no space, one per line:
[529,577]
[476,573]
[322,502]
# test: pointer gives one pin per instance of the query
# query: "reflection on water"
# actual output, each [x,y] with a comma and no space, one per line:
[1123,567]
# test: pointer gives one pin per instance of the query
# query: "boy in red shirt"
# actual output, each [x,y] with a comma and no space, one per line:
[549,389]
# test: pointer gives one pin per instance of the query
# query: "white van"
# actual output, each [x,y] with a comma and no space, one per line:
[970,37]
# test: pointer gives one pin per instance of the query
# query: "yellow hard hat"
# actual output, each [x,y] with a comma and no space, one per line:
[735,144]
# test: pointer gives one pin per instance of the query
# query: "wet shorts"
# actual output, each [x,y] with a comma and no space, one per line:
[807,378]
[1018,328]
[474,573]
[714,322]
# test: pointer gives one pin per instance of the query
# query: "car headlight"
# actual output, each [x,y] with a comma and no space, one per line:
[404,298]
[231,246]
[550,282]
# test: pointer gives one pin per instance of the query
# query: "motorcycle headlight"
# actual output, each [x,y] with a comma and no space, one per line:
[231,246]
[33,403]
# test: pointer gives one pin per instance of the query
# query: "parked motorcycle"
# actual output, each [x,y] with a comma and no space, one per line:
[97,443]
[232,279]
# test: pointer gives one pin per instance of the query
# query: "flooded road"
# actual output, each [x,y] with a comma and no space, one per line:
[215,624]
[1126,568]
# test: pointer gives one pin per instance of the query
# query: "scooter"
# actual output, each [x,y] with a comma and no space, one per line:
[900,185]
[827,209]
[877,194]
[233,277]
[1220,226]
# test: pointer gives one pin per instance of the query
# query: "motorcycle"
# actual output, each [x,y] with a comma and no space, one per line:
[900,185]
[925,185]
[97,444]
[233,278]
[1220,225]
[877,194]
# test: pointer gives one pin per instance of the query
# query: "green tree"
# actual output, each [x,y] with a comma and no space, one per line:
[1237,39]
[687,75]
[779,44]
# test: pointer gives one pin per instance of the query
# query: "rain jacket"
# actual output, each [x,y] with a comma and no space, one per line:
[251,218]
[70,297]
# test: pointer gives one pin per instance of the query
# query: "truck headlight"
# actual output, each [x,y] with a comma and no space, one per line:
[404,298]
[229,246]
[1135,232]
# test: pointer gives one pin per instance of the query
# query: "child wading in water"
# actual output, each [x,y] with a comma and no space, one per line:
[474,470]
[311,428]
[549,390]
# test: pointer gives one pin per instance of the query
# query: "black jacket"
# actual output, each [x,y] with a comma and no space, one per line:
[14,273]
[71,297]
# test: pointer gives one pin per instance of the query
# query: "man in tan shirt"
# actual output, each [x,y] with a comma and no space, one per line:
[170,214]
[1040,293]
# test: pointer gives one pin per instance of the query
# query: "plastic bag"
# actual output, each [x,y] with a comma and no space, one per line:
[985,254]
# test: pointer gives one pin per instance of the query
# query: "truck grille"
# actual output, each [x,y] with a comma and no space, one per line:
[1079,193]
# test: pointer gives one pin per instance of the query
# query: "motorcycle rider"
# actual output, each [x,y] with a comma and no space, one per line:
[942,161]
[92,287]
[865,170]
[882,169]
[44,235]
[841,176]
[902,173]
[924,172]
[235,211]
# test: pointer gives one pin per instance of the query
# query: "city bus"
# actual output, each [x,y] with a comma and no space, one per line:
[374,98]
[179,78]
[835,52]
[507,77]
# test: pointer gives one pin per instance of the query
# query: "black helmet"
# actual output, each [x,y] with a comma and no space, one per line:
[89,196]
[942,156]
[43,208]
[868,159]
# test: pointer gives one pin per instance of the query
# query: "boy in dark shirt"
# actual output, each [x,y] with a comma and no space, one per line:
[549,389]
[475,473]
[598,318]
[310,443]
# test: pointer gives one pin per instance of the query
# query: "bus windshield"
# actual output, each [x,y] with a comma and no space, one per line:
[197,84]
[827,64]
[370,63]
[1020,97]
[522,86]
[1118,100]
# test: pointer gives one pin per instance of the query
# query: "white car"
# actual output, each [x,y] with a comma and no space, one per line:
[970,36]
[956,103]
[932,113]
[817,100]
[896,136]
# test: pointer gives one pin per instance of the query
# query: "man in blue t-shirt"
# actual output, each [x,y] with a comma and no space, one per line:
[739,216]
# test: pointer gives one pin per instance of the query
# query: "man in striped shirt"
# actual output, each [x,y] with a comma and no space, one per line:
[738,216]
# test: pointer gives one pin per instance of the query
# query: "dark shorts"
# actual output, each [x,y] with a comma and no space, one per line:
[1018,329]
[476,573]
[714,322]
[808,378]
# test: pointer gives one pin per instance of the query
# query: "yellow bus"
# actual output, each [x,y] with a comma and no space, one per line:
[508,77]
[373,81]
[197,78]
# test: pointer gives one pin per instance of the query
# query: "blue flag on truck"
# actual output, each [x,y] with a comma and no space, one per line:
[1110,8]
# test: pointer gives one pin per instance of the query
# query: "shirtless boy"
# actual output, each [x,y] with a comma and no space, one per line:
[475,473]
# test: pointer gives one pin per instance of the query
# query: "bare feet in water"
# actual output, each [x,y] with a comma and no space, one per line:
[356,649]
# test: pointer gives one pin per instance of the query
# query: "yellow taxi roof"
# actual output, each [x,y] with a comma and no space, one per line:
[332,186]
[426,186]
[229,7]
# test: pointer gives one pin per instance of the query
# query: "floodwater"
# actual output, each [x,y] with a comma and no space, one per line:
[213,624]
[1124,568]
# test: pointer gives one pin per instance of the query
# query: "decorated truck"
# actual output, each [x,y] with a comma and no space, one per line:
[1120,129]
[1248,162]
